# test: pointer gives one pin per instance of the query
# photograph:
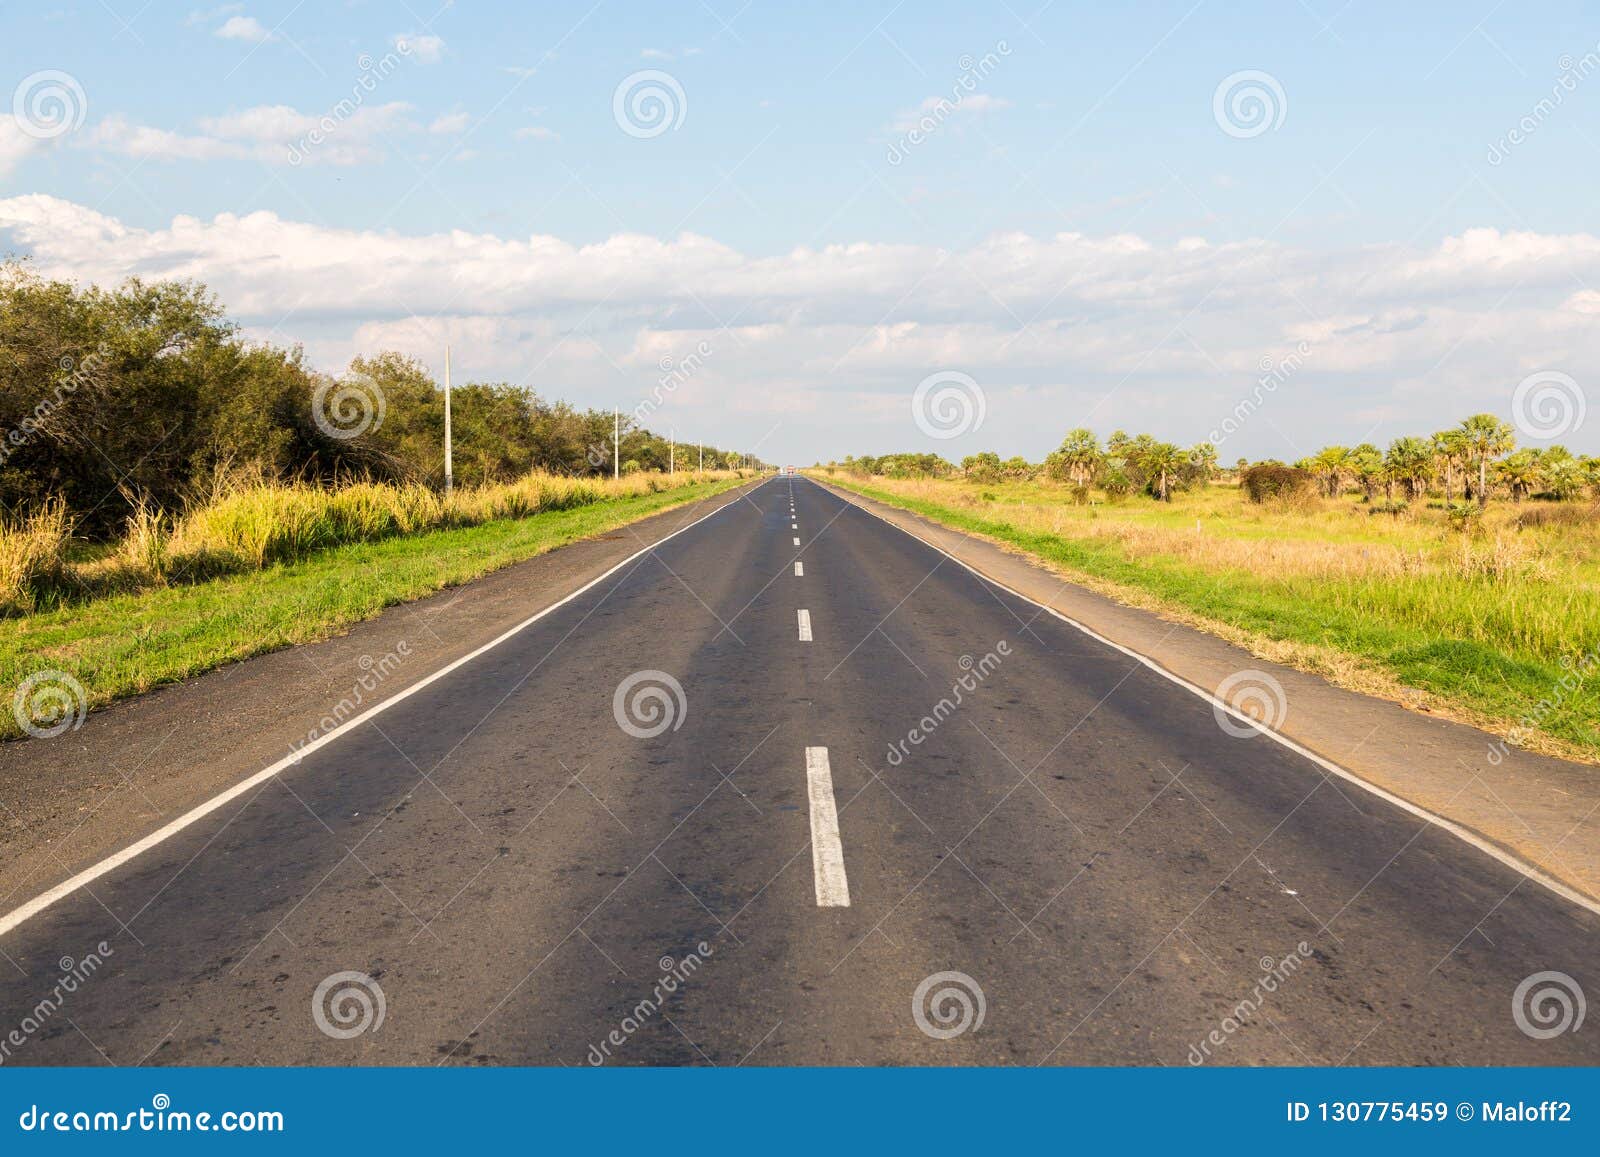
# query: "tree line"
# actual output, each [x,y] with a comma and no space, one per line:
[147,394]
[1470,462]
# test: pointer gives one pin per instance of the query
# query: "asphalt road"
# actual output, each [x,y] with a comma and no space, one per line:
[1116,877]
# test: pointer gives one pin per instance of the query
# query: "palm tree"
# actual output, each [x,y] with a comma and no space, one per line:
[1449,446]
[1410,459]
[1203,456]
[1590,473]
[1522,473]
[1565,474]
[1484,437]
[1332,464]
[1366,462]
[1162,464]
[1080,454]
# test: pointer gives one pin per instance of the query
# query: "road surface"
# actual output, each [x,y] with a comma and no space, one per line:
[883,777]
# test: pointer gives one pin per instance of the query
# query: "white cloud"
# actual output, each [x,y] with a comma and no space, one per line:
[424,48]
[276,134]
[14,144]
[207,15]
[452,122]
[536,133]
[1107,331]
[246,28]
[934,110]
[656,54]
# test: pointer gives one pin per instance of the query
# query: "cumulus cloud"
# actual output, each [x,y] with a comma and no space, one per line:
[276,134]
[936,109]
[246,28]
[14,145]
[454,122]
[829,343]
[425,48]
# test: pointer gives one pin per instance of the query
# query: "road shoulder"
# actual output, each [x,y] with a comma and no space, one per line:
[1541,810]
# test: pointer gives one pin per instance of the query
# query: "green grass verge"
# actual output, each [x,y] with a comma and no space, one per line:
[124,644]
[1445,646]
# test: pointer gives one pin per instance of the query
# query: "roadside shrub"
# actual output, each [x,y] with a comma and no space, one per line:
[1115,482]
[1273,480]
[1465,517]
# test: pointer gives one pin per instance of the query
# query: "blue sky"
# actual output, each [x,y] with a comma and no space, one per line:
[1080,234]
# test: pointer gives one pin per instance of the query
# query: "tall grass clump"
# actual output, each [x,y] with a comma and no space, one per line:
[33,562]
[146,545]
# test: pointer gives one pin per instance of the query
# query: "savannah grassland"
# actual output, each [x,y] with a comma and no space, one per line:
[1486,621]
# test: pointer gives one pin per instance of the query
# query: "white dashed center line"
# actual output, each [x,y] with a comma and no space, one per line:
[797,542]
[805,625]
[827,854]
[799,569]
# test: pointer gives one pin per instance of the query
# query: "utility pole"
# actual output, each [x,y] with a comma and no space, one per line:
[702,468]
[672,453]
[616,443]
[449,461]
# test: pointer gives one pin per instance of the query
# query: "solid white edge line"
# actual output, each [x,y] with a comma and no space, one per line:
[20,915]
[827,851]
[799,570]
[804,618]
[1464,834]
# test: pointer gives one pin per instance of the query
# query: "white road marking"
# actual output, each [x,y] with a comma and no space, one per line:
[799,569]
[827,853]
[797,542]
[89,875]
[1465,835]
[805,625]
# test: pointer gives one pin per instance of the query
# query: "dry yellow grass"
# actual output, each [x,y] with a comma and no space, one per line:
[250,525]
